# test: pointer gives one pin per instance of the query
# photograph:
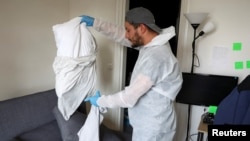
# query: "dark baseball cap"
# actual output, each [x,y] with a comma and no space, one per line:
[141,15]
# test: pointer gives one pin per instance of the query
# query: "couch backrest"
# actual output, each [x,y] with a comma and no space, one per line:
[25,113]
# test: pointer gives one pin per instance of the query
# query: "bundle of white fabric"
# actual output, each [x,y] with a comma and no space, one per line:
[74,65]
[75,71]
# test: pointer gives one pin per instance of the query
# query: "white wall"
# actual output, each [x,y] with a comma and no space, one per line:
[214,49]
[27,46]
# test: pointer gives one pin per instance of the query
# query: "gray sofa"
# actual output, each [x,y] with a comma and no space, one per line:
[35,117]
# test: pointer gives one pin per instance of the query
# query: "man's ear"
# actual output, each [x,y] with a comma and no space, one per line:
[143,28]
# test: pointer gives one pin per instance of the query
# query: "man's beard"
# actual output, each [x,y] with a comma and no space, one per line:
[137,42]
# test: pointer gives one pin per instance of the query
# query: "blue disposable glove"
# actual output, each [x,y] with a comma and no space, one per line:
[88,20]
[93,99]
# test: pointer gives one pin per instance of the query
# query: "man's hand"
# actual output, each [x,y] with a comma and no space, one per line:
[93,99]
[88,20]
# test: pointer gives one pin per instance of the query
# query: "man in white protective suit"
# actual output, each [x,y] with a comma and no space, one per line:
[156,78]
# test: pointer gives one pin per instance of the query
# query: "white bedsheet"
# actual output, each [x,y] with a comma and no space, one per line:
[75,72]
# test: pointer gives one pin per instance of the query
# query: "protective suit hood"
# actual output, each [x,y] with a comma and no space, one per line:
[162,38]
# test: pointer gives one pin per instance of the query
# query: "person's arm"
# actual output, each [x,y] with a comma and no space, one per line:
[129,96]
[112,31]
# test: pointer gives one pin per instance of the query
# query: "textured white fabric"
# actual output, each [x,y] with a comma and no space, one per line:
[149,135]
[74,39]
[74,65]
[90,130]
[112,31]
[70,72]
[129,96]
[150,109]
[75,71]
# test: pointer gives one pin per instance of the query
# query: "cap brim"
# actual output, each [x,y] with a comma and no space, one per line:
[154,27]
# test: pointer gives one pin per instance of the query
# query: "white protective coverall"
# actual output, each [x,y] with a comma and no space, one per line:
[155,82]
[75,71]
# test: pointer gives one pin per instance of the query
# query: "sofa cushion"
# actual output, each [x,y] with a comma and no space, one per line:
[69,128]
[25,113]
[15,139]
[47,132]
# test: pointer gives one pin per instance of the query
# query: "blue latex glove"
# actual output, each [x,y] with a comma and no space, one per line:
[88,20]
[93,99]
